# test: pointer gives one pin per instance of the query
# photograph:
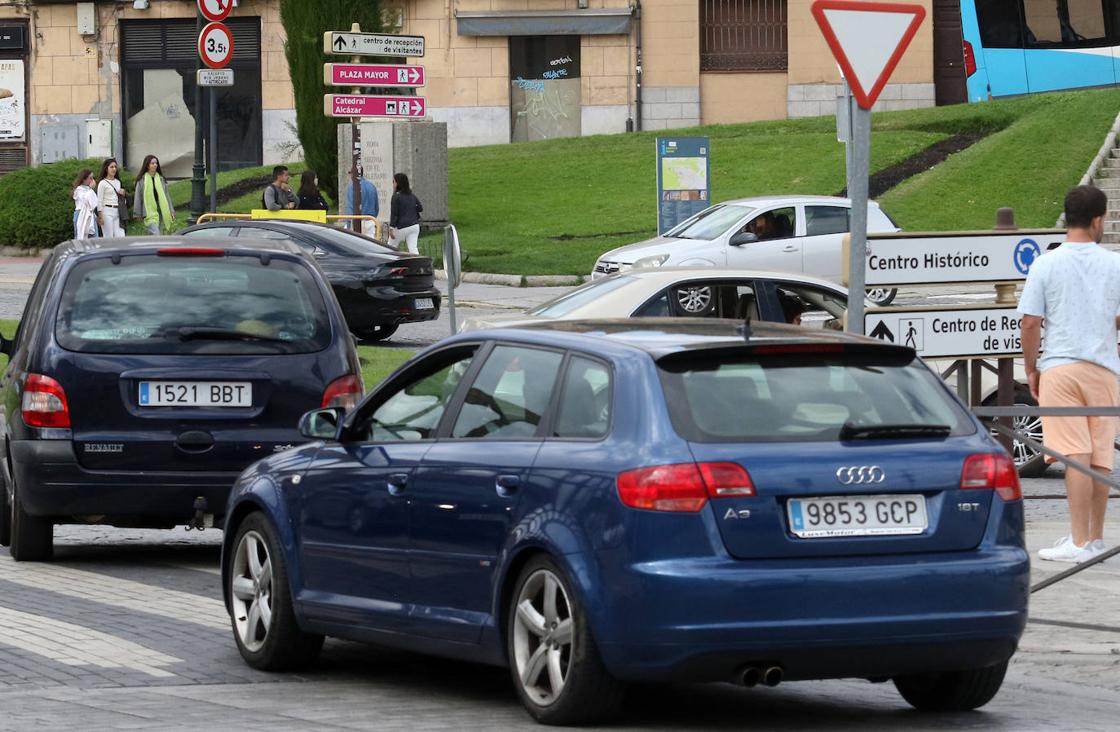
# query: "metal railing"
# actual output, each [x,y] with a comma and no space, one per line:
[995,413]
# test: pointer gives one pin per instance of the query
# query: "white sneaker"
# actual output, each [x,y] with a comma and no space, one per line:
[1097,547]
[1064,550]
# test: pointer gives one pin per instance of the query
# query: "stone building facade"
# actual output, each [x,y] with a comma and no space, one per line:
[116,76]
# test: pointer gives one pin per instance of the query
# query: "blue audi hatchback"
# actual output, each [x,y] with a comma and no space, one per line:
[593,503]
[146,374]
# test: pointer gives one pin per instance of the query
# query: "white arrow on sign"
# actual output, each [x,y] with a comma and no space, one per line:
[868,40]
[417,108]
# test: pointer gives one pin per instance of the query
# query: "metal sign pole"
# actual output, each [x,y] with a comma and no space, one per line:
[213,149]
[356,153]
[849,101]
[857,192]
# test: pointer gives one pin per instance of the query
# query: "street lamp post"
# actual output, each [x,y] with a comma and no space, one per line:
[198,178]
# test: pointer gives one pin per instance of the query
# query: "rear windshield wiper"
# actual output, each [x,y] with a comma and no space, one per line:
[223,334]
[883,431]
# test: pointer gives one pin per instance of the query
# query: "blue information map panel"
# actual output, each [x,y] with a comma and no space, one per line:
[683,179]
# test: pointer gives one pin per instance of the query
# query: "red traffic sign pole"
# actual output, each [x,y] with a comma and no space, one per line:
[215,10]
[215,45]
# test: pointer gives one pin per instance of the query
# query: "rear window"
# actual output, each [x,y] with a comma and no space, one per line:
[207,305]
[806,397]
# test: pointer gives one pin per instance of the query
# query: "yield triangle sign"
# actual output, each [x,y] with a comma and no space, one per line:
[867,39]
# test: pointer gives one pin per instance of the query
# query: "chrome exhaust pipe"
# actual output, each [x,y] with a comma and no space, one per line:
[772,676]
[751,676]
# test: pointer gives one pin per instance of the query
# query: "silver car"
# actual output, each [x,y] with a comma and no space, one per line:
[783,233]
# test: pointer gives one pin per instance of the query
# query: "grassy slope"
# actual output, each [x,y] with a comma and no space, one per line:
[377,363]
[1028,166]
[180,190]
[510,202]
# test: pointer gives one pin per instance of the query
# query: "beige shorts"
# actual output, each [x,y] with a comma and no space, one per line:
[1080,385]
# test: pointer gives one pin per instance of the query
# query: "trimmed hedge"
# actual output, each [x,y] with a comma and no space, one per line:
[37,204]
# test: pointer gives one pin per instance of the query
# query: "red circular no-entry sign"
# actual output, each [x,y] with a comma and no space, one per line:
[215,10]
[215,45]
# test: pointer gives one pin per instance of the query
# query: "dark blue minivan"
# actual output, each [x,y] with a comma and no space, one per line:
[146,374]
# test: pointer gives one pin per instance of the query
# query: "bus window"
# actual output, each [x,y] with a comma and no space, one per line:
[999,22]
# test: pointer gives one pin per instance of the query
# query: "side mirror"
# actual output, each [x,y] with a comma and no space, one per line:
[7,346]
[321,424]
[743,237]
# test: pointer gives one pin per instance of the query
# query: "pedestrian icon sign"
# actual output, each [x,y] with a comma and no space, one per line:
[912,333]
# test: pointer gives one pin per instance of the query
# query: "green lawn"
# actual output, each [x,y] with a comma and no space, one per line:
[377,362]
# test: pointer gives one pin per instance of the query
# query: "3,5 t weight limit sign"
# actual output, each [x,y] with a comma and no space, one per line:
[215,45]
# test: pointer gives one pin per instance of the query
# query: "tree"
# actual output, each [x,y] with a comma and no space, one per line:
[305,23]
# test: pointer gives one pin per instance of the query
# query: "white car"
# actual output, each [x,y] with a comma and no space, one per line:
[783,233]
[737,293]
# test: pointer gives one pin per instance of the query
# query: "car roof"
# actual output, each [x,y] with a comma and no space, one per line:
[664,336]
[294,224]
[669,275]
[761,201]
[142,243]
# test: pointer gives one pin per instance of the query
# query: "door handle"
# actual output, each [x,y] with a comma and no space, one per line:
[789,248]
[397,483]
[507,485]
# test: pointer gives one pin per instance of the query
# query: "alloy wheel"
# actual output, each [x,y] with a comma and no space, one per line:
[543,637]
[694,300]
[881,295]
[251,585]
[1032,428]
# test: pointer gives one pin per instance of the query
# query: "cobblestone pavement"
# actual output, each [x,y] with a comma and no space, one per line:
[126,630]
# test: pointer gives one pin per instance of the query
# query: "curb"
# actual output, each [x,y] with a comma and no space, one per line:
[508,280]
[23,253]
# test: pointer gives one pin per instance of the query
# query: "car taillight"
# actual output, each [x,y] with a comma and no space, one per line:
[344,392]
[44,403]
[684,487]
[191,252]
[969,60]
[398,272]
[992,472]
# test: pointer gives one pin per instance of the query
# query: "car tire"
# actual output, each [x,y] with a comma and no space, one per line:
[5,515]
[376,333]
[882,296]
[550,647]
[32,537]
[1029,463]
[952,691]
[260,602]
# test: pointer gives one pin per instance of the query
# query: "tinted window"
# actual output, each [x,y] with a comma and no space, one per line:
[213,305]
[1070,22]
[735,397]
[509,397]
[1000,25]
[579,297]
[259,232]
[346,241]
[710,224]
[585,409]
[826,220]
[414,412]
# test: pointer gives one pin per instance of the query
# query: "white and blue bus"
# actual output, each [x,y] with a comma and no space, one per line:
[1016,47]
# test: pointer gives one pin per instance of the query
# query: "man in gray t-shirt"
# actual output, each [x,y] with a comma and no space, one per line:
[1076,290]
[278,196]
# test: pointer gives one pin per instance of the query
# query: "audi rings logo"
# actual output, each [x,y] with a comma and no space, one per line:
[860,475]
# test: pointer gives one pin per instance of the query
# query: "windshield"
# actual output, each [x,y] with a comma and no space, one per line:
[173,305]
[728,396]
[710,223]
[580,296]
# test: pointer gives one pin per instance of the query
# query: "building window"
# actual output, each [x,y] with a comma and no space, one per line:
[743,35]
[544,87]
[158,60]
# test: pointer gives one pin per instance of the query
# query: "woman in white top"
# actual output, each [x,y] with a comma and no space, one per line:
[110,194]
[86,217]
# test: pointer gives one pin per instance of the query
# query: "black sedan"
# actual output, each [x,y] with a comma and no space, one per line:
[378,288]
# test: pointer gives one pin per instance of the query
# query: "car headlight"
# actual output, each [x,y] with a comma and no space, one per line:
[656,261]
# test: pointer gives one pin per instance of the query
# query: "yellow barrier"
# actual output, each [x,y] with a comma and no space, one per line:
[380,230]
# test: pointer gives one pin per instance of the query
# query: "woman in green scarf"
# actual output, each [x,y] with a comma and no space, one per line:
[152,202]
